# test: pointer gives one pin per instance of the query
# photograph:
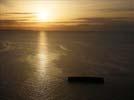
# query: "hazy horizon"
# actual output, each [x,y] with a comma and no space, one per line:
[64,15]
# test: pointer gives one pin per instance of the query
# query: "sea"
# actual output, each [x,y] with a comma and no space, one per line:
[35,65]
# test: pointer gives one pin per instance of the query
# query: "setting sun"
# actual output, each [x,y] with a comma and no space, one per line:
[44,15]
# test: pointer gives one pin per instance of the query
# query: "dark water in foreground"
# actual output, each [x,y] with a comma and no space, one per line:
[34,65]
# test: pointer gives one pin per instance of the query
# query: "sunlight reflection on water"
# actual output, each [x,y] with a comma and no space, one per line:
[42,53]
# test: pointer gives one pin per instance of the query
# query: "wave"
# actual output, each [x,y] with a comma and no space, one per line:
[4,46]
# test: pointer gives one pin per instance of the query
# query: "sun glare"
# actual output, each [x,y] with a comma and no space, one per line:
[43,16]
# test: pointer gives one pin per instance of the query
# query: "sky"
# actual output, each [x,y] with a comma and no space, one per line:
[57,13]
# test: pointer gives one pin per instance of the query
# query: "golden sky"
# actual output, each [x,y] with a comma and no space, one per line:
[37,13]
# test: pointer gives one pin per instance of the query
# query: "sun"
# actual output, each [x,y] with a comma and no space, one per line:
[43,16]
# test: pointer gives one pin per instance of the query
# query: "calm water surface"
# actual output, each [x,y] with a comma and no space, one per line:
[34,65]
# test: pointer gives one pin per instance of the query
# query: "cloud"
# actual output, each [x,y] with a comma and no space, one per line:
[121,24]
[129,9]
[7,22]
[16,13]
[105,19]
[20,13]
[102,24]
[20,16]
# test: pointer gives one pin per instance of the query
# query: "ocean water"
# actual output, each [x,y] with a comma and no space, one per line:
[34,65]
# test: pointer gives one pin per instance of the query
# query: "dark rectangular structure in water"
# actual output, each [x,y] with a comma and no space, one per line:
[83,79]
